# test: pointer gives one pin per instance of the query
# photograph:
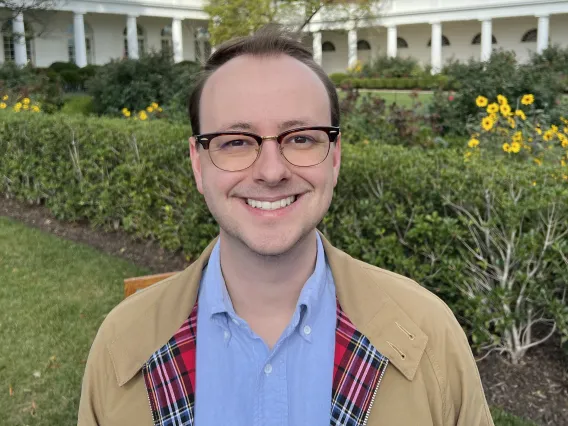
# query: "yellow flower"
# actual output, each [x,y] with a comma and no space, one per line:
[511,122]
[534,183]
[5,97]
[492,108]
[548,135]
[502,100]
[18,105]
[3,105]
[142,115]
[150,109]
[527,99]
[506,147]
[538,130]
[515,147]
[505,110]
[481,101]
[565,143]
[566,130]
[521,113]
[538,161]
[127,114]
[35,108]
[154,105]
[487,123]
[563,163]
[518,137]
[26,101]
[26,106]
[473,143]
[160,109]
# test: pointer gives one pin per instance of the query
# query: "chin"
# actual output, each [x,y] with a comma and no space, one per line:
[270,243]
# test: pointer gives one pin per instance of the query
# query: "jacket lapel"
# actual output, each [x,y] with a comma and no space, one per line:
[169,375]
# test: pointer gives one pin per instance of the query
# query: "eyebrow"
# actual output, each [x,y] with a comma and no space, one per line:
[243,125]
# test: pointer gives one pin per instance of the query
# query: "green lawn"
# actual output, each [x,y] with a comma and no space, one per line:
[53,296]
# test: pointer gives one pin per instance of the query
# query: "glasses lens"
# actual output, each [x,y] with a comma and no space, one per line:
[233,152]
[305,147]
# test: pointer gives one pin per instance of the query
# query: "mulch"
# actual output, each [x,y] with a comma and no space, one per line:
[535,389]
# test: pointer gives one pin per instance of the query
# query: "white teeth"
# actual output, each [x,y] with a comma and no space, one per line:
[267,205]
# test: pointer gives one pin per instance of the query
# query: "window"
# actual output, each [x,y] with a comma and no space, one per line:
[401,43]
[328,46]
[202,44]
[167,42]
[445,41]
[141,46]
[363,45]
[477,39]
[530,36]
[88,43]
[8,42]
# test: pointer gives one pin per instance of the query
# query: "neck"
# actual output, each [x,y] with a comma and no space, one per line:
[266,286]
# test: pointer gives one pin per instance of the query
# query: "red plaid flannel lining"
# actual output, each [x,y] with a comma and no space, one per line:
[170,375]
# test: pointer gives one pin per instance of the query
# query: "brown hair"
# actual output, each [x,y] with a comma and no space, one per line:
[269,40]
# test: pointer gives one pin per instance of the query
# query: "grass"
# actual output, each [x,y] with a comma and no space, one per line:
[53,296]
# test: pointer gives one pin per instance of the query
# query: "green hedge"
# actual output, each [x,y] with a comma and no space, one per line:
[430,83]
[391,206]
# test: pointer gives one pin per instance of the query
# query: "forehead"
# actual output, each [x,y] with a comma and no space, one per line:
[264,92]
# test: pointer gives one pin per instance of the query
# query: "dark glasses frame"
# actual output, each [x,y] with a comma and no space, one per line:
[332,133]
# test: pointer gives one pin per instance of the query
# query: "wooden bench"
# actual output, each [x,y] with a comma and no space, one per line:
[132,285]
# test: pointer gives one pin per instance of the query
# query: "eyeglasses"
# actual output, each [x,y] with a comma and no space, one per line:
[236,151]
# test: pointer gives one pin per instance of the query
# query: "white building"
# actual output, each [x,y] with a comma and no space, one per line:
[433,31]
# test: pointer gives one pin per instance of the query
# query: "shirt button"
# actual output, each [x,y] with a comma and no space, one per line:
[307,330]
[268,368]
[227,335]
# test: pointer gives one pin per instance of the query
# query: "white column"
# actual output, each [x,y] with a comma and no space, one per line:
[352,47]
[486,39]
[543,32]
[132,37]
[177,40]
[392,43]
[19,31]
[436,47]
[80,44]
[316,45]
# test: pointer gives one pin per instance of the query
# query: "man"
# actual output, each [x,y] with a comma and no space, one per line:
[272,325]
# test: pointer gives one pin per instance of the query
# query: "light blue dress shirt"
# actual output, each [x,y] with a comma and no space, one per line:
[240,381]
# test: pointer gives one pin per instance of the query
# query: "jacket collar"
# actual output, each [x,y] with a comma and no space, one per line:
[150,318]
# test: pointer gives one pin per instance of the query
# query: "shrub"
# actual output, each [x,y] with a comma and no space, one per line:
[338,78]
[134,84]
[397,67]
[501,75]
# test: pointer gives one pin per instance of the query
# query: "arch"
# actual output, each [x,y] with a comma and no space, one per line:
[445,41]
[363,45]
[401,43]
[8,41]
[88,43]
[477,39]
[327,46]
[530,36]
[141,40]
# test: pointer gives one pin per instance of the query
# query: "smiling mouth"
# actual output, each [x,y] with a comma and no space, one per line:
[271,205]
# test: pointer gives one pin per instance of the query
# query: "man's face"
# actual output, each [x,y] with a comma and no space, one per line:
[265,96]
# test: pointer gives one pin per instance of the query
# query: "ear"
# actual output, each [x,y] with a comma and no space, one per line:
[336,155]
[196,163]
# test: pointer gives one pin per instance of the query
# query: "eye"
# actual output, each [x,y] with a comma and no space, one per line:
[299,139]
[234,143]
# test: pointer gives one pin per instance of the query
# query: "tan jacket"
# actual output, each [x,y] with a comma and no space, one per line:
[432,378]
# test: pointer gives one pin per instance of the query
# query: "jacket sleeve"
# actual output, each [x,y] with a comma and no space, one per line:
[464,400]
[96,376]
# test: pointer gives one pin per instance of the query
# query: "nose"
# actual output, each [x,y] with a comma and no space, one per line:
[271,167]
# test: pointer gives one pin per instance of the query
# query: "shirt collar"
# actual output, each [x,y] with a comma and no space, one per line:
[217,299]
